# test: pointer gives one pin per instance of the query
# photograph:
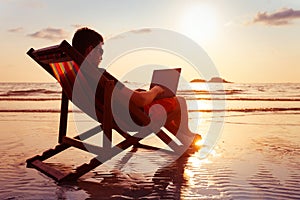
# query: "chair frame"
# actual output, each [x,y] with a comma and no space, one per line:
[65,52]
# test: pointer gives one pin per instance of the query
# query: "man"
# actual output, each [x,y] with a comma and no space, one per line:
[89,43]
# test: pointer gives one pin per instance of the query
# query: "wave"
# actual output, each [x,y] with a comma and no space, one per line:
[29,92]
[248,110]
[242,99]
[186,97]
[30,99]
[207,92]
[36,111]
[198,110]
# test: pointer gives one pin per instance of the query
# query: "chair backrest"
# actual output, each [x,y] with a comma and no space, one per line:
[70,69]
[65,73]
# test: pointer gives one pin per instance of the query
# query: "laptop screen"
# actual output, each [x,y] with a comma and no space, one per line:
[168,79]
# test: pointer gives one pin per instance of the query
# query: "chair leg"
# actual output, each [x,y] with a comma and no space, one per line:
[81,170]
[63,117]
[107,115]
[37,162]
[170,142]
[48,154]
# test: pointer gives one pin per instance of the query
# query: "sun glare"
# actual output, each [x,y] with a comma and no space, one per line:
[199,143]
[199,22]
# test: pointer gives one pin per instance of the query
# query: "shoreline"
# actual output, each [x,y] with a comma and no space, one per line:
[253,152]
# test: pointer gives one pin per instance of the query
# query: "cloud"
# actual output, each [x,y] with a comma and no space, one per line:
[50,34]
[143,30]
[16,30]
[281,17]
[134,31]
[78,26]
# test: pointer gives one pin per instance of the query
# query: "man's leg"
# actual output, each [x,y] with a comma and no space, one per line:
[177,123]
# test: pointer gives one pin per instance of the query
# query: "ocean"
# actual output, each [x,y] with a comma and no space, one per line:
[254,97]
[256,156]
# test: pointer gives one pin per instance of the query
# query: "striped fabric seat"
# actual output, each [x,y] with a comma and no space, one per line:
[65,73]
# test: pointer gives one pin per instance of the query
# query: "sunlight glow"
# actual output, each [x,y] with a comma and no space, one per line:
[199,22]
[195,162]
[201,89]
[199,143]
[189,176]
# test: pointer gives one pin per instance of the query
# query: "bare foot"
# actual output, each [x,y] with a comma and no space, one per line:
[189,138]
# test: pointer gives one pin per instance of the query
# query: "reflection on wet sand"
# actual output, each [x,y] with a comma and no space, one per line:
[165,182]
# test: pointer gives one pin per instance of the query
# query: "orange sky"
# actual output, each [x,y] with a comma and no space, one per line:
[249,41]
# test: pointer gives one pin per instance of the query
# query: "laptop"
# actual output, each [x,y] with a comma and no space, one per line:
[168,79]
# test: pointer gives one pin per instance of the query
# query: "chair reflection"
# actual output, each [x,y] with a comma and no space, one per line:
[165,183]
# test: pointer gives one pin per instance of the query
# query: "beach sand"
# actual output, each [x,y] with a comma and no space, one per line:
[256,157]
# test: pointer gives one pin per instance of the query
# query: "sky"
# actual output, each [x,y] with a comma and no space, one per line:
[249,41]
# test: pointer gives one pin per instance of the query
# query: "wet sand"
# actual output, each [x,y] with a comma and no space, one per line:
[256,157]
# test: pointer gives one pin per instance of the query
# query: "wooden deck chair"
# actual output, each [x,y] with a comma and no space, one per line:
[64,63]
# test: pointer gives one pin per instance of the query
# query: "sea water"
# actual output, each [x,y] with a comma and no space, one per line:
[256,155]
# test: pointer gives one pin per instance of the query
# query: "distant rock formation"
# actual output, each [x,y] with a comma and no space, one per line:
[212,80]
[198,81]
[218,80]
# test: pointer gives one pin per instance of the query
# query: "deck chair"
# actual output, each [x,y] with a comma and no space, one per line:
[64,63]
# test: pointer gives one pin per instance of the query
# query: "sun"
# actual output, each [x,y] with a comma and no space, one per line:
[199,22]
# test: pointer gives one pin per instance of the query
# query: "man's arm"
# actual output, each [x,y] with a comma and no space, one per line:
[140,97]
